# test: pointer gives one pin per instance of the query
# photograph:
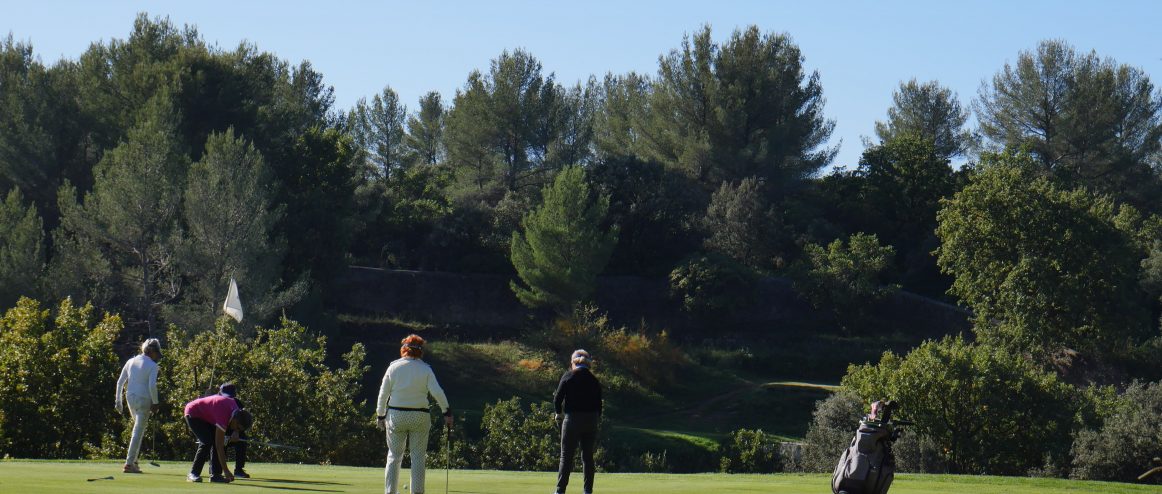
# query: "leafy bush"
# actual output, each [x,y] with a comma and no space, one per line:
[710,284]
[515,439]
[651,358]
[750,451]
[1130,436]
[281,376]
[832,426]
[57,374]
[843,278]
[988,411]
[460,453]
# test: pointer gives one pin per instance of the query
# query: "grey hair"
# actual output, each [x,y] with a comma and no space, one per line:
[580,357]
[151,344]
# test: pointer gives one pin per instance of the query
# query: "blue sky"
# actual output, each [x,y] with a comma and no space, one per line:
[862,49]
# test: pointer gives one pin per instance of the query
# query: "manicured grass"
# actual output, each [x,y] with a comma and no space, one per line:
[48,477]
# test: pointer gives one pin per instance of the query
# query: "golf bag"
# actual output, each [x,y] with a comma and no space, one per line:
[868,465]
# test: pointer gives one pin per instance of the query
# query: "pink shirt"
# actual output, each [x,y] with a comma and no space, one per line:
[215,409]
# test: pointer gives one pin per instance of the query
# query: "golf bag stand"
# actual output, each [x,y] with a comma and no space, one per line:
[868,465]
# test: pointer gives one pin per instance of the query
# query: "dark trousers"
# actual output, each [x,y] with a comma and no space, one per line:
[579,428]
[239,449]
[204,432]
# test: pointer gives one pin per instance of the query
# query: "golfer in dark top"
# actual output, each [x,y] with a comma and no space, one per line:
[239,445]
[579,397]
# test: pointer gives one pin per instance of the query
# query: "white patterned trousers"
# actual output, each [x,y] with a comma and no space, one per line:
[139,408]
[406,428]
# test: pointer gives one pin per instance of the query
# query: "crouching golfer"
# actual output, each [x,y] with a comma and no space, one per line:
[237,439]
[579,396]
[402,410]
[209,418]
[139,382]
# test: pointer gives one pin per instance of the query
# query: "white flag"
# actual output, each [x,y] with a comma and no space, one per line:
[233,305]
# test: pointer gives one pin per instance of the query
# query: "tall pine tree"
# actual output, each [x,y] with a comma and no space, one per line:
[562,247]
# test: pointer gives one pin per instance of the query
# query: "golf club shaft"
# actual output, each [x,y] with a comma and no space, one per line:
[270,445]
[447,457]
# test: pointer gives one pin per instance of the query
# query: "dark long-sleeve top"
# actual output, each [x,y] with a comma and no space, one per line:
[578,391]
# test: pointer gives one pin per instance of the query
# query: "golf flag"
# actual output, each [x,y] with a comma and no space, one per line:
[233,305]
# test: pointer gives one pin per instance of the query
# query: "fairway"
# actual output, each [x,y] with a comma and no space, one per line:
[45,477]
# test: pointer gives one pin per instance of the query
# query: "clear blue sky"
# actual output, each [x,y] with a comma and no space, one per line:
[862,49]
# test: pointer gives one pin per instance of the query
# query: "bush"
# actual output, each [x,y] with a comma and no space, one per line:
[651,358]
[515,439]
[282,378]
[987,410]
[710,285]
[57,377]
[750,451]
[460,454]
[1130,436]
[832,427]
[844,278]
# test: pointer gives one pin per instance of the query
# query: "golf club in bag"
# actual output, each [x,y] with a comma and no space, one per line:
[868,465]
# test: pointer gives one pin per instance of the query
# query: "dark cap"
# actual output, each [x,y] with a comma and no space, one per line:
[228,389]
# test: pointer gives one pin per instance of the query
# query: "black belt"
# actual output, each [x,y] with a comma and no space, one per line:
[409,409]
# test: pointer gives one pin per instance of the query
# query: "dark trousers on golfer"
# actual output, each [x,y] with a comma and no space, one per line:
[204,431]
[578,429]
[239,449]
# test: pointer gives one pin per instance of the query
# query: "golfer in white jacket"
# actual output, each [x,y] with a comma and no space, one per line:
[402,409]
[137,386]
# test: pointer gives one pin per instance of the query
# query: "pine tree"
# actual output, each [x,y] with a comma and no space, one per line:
[230,221]
[424,142]
[21,249]
[931,112]
[562,247]
[131,215]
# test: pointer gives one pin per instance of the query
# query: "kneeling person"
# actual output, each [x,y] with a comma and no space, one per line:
[208,419]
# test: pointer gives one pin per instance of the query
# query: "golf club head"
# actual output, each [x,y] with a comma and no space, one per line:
[154,463]
[99,478]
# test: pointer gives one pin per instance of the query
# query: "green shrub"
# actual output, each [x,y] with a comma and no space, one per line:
[710,285]
[283,379]
[459,454]
[516,439]
[832,426]
[1130,436]
[844,278]
[650,358]
[57,377]
[987,410]
[651,462]
[750,451]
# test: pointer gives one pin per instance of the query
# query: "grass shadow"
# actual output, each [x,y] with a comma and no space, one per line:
[288,481]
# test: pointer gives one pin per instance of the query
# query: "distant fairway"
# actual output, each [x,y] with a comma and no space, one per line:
[45,477]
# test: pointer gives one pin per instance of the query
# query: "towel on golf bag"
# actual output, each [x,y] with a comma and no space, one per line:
[867,466]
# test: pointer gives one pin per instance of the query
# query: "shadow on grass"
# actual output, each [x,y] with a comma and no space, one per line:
[284,488]
[288,481]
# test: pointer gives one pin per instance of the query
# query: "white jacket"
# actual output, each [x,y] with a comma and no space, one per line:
[407,384]
[138,377]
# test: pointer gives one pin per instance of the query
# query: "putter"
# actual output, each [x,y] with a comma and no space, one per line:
[99,478]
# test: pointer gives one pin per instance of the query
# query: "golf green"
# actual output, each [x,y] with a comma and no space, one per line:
[52,477]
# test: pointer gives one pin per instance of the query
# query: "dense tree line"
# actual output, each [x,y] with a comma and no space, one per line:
[143,175]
